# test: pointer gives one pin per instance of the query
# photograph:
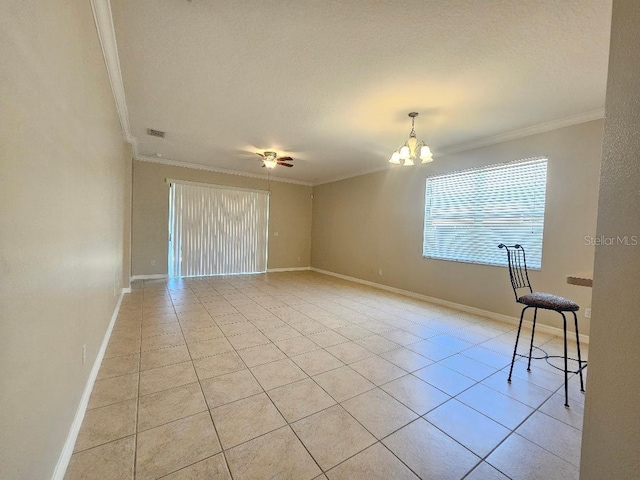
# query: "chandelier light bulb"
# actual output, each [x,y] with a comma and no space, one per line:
[425,154]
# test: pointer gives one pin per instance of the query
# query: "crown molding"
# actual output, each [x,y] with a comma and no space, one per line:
[134,145]
[462,147]
[352,175]
[495,139]
[523,132]
[107,35]
[197,166]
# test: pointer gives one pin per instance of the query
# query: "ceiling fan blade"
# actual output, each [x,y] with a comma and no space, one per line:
[285,164]
[260,154]
[263,165]
[285,159]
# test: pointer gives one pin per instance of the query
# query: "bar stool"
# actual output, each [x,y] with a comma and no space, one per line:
[520,280]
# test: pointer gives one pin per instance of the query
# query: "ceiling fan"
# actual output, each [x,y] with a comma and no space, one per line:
[271,159]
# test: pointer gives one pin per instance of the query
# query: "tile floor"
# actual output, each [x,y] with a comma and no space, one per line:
[303,376]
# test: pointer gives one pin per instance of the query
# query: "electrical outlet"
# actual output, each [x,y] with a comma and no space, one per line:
[380,272]
[84,353]
[298,258]
[153,263]
[587,312]
[275,234]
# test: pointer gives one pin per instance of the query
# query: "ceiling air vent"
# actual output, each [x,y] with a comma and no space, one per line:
[155,133]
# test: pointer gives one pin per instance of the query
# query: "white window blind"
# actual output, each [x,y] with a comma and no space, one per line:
[469,213]
[216,231]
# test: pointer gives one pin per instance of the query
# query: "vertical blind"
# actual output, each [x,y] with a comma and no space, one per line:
[214,230]
[468,213]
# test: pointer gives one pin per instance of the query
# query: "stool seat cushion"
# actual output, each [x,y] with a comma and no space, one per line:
[549,302]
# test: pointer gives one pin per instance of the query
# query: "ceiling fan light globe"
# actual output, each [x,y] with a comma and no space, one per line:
[405,153]
[408,163]
[270,162]
[395,158]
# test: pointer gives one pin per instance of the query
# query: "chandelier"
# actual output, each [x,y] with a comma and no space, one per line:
[412,150]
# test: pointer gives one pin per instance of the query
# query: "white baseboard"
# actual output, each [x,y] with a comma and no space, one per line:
[445,303]
[67,449]
[158,276]
[288,269]
[126,290]
[162,276]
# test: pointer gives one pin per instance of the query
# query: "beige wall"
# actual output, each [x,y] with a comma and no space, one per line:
[61,223]
[375,221]
[289,215]
[611,439]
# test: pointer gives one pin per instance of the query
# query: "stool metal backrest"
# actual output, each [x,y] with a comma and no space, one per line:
[517,260]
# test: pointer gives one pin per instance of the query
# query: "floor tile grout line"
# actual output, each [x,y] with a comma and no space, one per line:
[177,420]
[513,431]
[327,408]
[134,435]
[208,411]
[104,443]
[451,397]
[409,423]
[190,465]
[554,392]
[380,441]
[409,320]
[288,423]
[349,413]
[275,406]
[191,416]
[383,446]
[537,410]
[135,451]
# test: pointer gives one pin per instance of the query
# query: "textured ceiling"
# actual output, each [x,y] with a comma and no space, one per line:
[331,82]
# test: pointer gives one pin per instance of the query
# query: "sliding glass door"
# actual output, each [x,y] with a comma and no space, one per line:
[216,230]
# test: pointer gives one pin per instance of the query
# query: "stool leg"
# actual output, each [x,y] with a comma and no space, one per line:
[533,332]
[575,317]
[515,349]
[566,374]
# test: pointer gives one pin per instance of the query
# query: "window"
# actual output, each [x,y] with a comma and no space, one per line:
[469,213]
